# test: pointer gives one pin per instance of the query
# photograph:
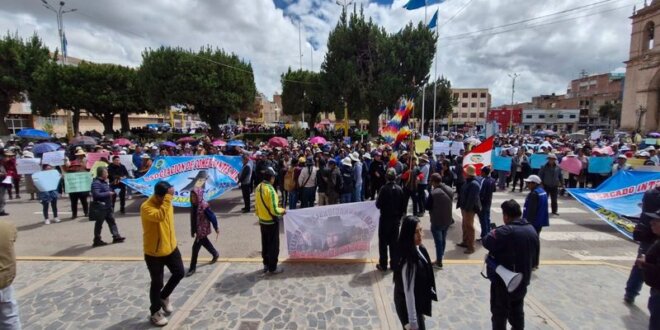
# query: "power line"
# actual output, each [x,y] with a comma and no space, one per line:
[458,12]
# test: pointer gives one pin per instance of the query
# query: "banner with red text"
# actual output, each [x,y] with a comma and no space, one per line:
[342,231]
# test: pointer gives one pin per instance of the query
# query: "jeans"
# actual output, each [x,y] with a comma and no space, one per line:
[156,266]
[346,198]
[484,220]
[197,245]
[82,197]
[270,245]
[357,194]
[9,309]
[245,191]
[636,279]
[501,179]
[552,192]
[654,309]
[506,307]
[110,219]
[308,196]
[387,238]
[421,198]
[293,200]
[53,205]
[440,239]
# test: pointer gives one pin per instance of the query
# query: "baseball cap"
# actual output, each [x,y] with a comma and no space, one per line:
[534,179]
[161,188]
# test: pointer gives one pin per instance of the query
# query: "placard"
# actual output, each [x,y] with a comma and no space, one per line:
[635,162]
[28,165]
[650,141]
[127,161]
[502,163]
[441,148]
[77,182]
[421,145]
[456,148]
[93,157]
[46,180]
[538,160]
[54,158]
[600,164]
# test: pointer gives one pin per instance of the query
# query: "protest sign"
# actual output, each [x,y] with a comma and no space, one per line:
[93,157]
[28,165]
[77,182]
[571,165]
[650,141]
[331,232]
[54,158]
[456,148]
[618,198]
[127,161]
[215,174]
[600,164]
[501,163]
[441,148]
[46,180]
[635,162]
[595,135]
[421,145]
[538,160]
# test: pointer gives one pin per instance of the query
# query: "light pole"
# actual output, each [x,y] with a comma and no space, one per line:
[60,24]
[344,4]
[513,92]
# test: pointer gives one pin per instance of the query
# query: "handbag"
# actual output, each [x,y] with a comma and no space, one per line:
[97,211]
[276,218]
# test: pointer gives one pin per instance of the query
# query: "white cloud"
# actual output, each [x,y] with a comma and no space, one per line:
[547,57]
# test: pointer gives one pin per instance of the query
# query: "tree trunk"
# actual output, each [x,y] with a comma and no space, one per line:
[373,123]
[107,121]
[5,105]
[125,124]
[75,121]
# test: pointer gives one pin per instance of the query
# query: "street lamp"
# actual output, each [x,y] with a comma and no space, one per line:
[60,24]
[513,91]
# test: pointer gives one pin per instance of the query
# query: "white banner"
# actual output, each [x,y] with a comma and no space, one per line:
[28,165]
[342,231]
[54,158]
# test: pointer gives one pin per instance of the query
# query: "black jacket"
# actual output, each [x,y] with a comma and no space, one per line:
[391,202]
[115,172]
[514,247]
[652,266]
[468,198]
[425,290]
[642,232]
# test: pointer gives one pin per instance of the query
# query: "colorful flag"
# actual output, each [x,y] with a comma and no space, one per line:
[416,4]
[480,156]
[434,21]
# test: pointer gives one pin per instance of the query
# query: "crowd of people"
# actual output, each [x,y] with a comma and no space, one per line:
[302,174]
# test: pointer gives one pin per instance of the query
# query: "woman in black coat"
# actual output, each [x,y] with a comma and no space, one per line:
[414,282]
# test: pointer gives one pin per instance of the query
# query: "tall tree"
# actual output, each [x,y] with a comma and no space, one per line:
[302,92]
[211,82]
[445,101]
[19,59]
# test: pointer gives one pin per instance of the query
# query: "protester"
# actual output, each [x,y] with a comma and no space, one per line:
[439,204]
[245,181]
[513,247]
[9,318]
[376,175]
[321,180]
[334,182]
[268,212]
[116,172]
[10,167]
[519,169]
[49,198]
[650,266]
[160,250]
[307,183]
[392,207]
[620,164]
[347,183]
[102,198]
[423,183]
[146,165]
[409,179]
[470,204]
[357,176]
[552,179]
[486,199]
[75,166]
[291,183]
[414,281]
[3,190]
[536,210]
[201,219]
[30,188]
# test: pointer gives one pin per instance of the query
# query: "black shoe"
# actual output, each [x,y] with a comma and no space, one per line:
[265,270]
[214,260]
[2,214]
[190,272]
[73,217]
[118,239]
[18,197]
[122,211]
[245,211]
[98,243]
[478,239]
[463,245]
[437,265]
[555,213]
[381,268]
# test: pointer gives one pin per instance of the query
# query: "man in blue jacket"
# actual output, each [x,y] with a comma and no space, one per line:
[512,246]
[536,209]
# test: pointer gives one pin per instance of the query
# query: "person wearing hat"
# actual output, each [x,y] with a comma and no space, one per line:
[307,183]
[137,156]
[392,205]
[269,214]
[653,156]
[357,176]
[620,164]
[649,263]
[160,250]
[535,210]
[30,188]
[423,183]
[376,175]
[75,166]
[470,204]
[333,180]
[10,166]
[552,179]
[347,182]
[145,165]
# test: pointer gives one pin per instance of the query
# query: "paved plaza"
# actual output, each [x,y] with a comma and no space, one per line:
[63,283]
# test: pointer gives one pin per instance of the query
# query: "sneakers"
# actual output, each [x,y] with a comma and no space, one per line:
[628,300]
[56,220]
[190,272]
[98,243]
[167,307]
[469,251]
[437,265]
[3,214]
[158,319]
[47,222]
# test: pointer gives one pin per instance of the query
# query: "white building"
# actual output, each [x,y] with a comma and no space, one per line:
[558,120]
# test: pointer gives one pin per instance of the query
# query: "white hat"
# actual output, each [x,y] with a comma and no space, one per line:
[367,156]
[622,156]
[644,154]
[28,154]
[552,156]
[354,156]
[534,179]
[145,156]
[154,148]
[123,152]
[649,148]
[347,161]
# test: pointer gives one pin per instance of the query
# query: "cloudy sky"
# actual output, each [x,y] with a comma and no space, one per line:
[559,39]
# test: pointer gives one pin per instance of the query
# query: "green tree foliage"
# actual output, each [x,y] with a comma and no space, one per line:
[610,111]
[18,60]
[445,101]
[302,91]
[370,69]
[211,82]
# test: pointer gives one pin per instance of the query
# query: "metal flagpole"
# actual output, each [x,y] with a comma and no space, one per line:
[421,131]
[435,83]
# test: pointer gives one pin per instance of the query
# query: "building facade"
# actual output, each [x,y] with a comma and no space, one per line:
[505,116]
[471,109]
[642,85]
[558,120]
[270,111]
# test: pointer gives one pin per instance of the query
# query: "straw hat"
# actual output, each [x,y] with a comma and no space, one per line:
[80,152]
[346,161]
[470,170]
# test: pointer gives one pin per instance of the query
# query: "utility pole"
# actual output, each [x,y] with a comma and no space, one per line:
[344,4]
[60,24]
[311,56]
[513,92]
[300,43]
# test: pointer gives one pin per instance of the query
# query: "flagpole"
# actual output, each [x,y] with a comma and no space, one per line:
[435,83]
[424,85]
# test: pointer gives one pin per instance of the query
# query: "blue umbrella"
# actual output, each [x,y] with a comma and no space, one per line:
[236,143]
[31,133]
[45,147]
[168,144]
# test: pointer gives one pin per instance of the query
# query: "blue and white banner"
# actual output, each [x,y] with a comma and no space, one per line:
[216,174]
[618,198]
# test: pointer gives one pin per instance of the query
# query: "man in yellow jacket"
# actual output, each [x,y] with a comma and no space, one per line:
[160,250]
[268,211]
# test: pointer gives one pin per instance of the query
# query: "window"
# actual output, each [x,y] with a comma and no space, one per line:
[560,116]
[464,115]
[483,95]
[528,116]
[454,115]
[481,115]
[474,95]
[482,104]
[571,116]
[473,115]
[473,104]
[649,36]
[541,116]
[464,105]
[551,116]
[456,95]
[465,95]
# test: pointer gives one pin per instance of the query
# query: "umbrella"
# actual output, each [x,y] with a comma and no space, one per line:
[168,144]
[187,139]
[219,143]
[45,147]
[83,141]
[654,134]
[277,141]
[235,143]
[122,142]
[317,140]
[31,133]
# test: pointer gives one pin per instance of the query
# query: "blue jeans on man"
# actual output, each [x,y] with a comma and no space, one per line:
[9,309]
[440,239]
[293,200]
[636,278]
[484,220]
[357,193]
[346,198]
